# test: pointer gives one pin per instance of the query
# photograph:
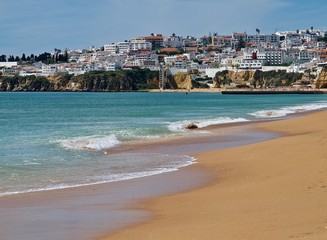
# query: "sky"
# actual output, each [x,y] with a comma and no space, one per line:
[37,26]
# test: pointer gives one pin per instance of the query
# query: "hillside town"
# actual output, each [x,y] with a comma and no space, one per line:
[294,51]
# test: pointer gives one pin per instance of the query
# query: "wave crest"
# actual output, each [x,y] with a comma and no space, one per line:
[181,126]
[274,113]
[95,143]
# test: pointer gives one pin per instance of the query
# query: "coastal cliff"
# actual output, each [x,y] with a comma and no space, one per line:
[92,82]
[322,79]
[180,80]
[142,79]
[256,79]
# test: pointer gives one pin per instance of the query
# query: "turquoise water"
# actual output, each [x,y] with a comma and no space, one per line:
[58,140]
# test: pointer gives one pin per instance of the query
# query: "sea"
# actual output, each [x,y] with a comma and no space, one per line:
[56,140]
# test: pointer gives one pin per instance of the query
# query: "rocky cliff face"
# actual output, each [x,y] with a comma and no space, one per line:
[180,80]
[96,82]
[241,75]
[322,79]
[226,77]
[256,79]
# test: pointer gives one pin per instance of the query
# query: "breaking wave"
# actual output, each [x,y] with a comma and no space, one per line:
[95,143]
[274,113]
[181,126]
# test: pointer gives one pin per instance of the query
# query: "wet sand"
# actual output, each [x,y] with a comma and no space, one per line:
[86,213]
[275,189]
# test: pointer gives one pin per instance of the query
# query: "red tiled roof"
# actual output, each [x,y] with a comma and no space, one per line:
[153,38]
[168,50]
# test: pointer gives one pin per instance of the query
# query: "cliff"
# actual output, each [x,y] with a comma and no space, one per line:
[256,79]
[96,82]
[322,79]
[180,80]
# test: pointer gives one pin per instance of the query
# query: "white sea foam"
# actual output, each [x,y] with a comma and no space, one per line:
[274,113]
[94,143]
[187,160]
[181,126]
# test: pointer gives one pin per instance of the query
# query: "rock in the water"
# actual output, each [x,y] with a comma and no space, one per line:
[192,126]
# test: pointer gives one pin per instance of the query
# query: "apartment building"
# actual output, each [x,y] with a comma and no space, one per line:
[173,42]
[275,57]
[111,48]
[192,42]
[290,39]
[308,55]
[157,41]
[259,39]
[49,70]
[251,64]
[139,44]
[117,48]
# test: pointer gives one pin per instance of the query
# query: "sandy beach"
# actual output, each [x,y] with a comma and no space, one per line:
[275,189]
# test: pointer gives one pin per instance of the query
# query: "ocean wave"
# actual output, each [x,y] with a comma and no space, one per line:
[95,143]
[181,126]
[275,113]
[116,177]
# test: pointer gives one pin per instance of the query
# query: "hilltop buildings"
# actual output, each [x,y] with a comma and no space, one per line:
[294,50]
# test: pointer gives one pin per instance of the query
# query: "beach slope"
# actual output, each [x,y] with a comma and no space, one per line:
[270,190]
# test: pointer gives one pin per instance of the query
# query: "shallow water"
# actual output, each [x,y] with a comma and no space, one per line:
[59,140]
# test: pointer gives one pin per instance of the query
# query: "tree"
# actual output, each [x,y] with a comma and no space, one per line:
[11,58]
[241,44]
[23,57]
[3,58]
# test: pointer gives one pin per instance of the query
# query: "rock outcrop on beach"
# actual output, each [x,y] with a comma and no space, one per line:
[180,80]
[322,79]
[118,81]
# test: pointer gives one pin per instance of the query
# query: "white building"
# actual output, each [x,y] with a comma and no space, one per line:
[255,55]
[290,39]
[112,66]
[49,70]
[275,57]
[137,44]
[180,64]
[111,48]
[251,64]
[308,55]
[217,57]
[274,39]
[169,60]
[173,42]
[123,47]
[8,64]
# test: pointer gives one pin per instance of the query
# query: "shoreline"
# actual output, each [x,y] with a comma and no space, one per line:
[274,189]
[115,205]
[133,206]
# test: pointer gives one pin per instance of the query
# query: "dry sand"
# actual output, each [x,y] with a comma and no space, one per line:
[270,190]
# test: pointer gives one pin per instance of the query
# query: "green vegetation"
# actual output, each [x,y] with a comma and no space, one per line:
[45,57]
[30,83]
[323,39]
[221,78]
[133,80]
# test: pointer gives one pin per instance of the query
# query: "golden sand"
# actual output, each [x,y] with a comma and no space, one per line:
[270,190]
